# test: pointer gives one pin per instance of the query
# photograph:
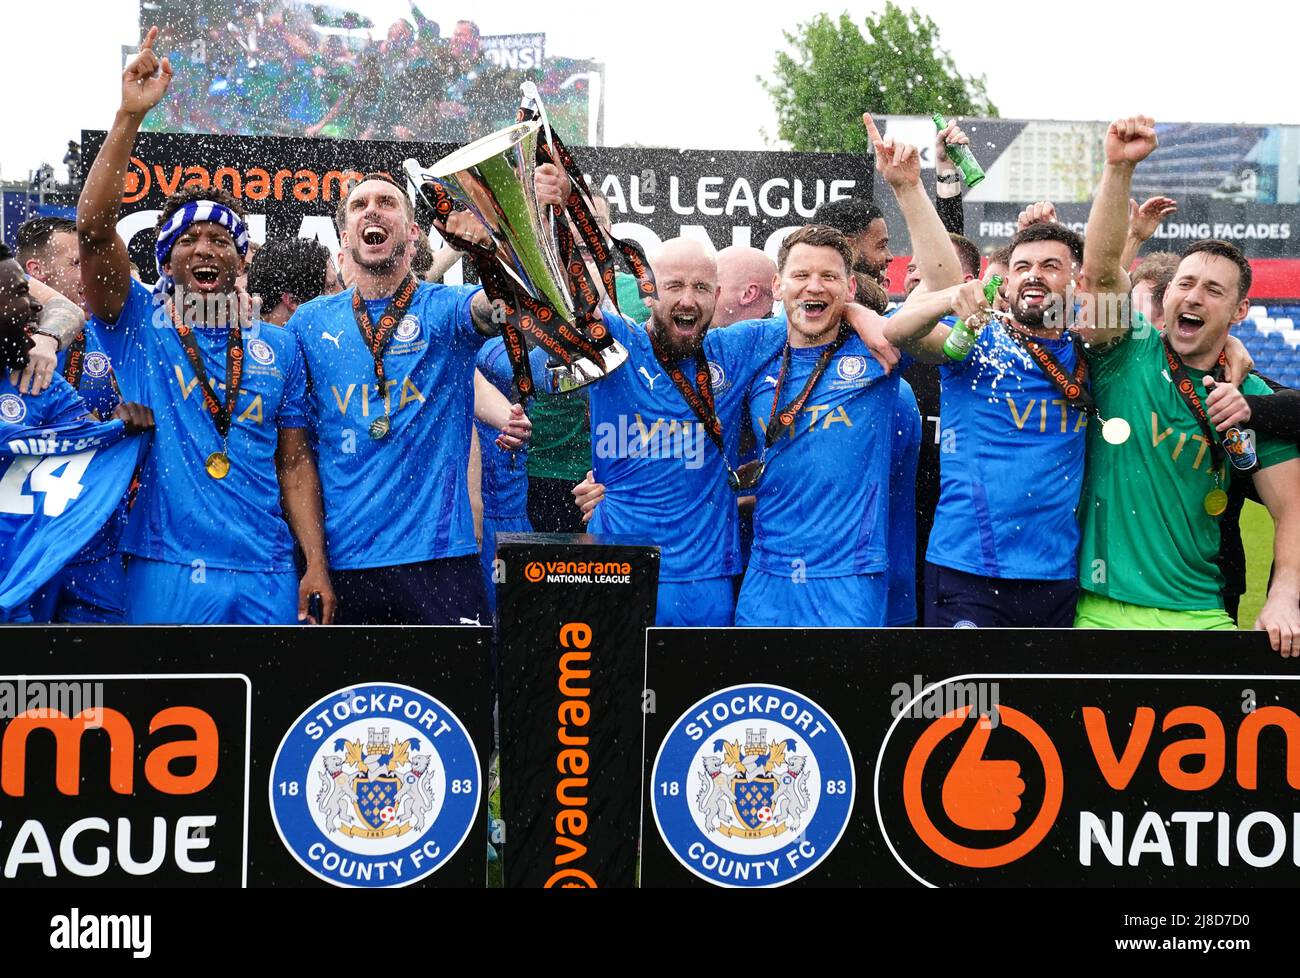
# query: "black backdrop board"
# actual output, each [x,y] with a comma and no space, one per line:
[1116,759]
[655,194]
[365,748]
[750,198]
[572,612]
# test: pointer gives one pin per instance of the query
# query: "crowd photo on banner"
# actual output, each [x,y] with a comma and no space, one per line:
[268,430]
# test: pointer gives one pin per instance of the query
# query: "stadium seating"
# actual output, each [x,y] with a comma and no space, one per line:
[1272,334]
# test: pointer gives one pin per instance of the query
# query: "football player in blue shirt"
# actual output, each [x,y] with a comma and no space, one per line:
[393,451]
[504,481]
[904,457]
[665,480]
[206,539]
[824,412]
[91,589]
[56,407]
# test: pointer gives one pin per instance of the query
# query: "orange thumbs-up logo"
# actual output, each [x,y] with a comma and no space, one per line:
[981,794]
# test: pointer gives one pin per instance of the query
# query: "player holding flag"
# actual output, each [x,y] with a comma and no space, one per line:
[62,471]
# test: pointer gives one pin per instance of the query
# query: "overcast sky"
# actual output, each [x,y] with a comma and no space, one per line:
[684,75]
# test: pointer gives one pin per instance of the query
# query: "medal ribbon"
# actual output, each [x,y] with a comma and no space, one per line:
[698,396]
[1072,387]
[1187,389]
[778,421]
[76,363]
[376,338]
[222,413]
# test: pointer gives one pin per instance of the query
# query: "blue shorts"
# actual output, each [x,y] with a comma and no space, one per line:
[84,594]
[955,599]
[492,525]
[709,603]
[446,591]
[159,593]
[778,601]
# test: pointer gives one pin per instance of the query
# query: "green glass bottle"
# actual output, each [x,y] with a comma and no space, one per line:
[959,342]
[961,156]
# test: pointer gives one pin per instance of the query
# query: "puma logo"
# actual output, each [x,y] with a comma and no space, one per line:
[332,339]
[769,379]
[648,379]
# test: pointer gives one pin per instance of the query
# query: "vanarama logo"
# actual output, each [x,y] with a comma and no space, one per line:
[248,183]
[1098,780]
[578,572]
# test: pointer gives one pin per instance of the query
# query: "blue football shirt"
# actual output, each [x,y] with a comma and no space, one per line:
[1011,464]
[402,499]
[902,507]
[181,514]
[505,474]
[663,477]
[62,476]
[823,502]
[96,386]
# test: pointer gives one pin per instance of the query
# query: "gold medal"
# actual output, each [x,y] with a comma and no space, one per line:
[218,465]
[1216,501]
[380,427]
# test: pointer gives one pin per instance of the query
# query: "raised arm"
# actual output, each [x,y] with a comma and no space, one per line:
[900,165]
[1103,279]
[947,179]
[1142,223]
[105,266]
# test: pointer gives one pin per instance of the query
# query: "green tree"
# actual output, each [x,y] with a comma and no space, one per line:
[838,71]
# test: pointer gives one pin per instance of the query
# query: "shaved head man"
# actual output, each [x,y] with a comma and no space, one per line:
[745,277]
[665,477]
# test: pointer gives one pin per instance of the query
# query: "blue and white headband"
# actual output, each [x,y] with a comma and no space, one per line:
[192,213]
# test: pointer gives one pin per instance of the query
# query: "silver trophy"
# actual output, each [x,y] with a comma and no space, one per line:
[493,177]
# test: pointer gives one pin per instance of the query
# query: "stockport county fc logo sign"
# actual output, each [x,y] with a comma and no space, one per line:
[753,786]
[376,785]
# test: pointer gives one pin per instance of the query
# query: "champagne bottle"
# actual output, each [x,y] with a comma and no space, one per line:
[959,342]
[961,156]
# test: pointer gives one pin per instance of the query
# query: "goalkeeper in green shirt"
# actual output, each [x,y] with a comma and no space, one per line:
[1151,503]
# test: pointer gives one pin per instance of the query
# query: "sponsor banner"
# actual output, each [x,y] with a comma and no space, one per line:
[293,186]
[124,780]
[246,757]
[572,611]
[970,759]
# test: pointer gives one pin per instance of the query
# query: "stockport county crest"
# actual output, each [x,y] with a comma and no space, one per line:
[753,786]
[376,785]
